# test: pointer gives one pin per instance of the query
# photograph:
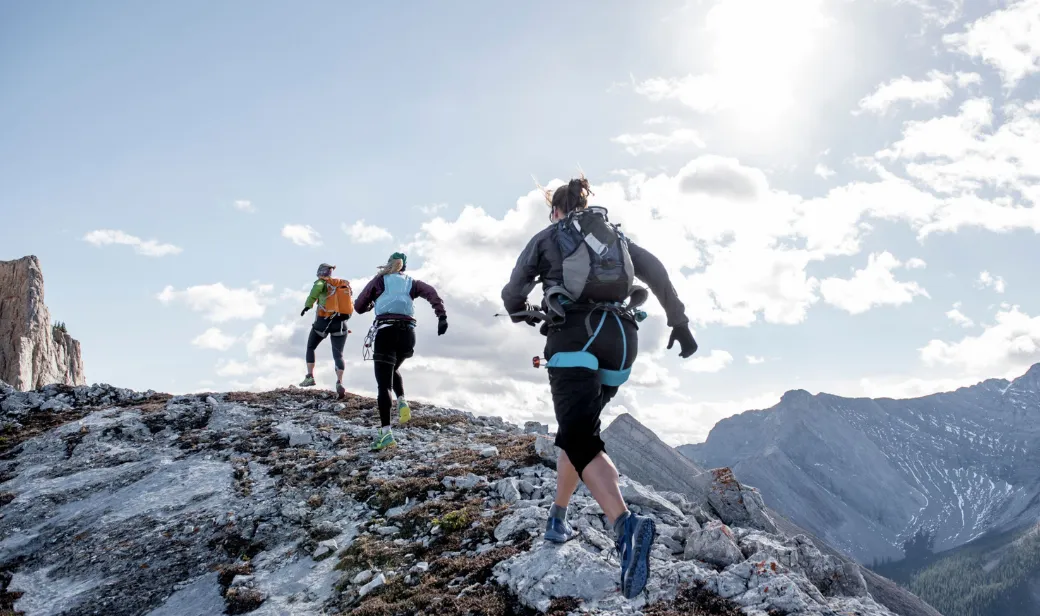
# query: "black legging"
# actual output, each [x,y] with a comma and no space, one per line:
[577,393]
[394,343]
[334,328]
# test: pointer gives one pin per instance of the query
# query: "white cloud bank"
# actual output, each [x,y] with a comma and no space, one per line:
[148,248]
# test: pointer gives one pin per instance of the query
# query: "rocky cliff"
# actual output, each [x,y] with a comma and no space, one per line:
[118,503]
[867,475]
[33,351]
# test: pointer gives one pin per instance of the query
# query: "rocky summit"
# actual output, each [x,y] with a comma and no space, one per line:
[117,502]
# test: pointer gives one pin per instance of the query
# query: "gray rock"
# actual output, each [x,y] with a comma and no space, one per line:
[736,504]
[363,577]
[508,489]
[539,576]
[296,434]
[533,427]
[715,545]
[379,581]
[529,519]
[830,575]
[468,481]
[646,498]
[546,449]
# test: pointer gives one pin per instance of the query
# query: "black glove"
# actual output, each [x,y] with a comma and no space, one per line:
[304,311]
[442,325]
[682,334]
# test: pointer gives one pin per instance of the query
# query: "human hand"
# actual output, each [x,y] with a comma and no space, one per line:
[683,335]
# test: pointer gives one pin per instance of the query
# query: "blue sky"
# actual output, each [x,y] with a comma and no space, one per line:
[826,180]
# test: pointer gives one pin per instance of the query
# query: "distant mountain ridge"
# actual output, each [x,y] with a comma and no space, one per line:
[867,474]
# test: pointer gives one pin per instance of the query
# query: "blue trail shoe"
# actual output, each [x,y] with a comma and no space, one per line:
[634,545]
[559,531]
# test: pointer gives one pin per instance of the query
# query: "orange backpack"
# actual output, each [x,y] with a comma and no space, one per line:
[337,298]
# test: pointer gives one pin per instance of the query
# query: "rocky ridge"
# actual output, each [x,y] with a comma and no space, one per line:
[33,351]
[118,502]
[867,475]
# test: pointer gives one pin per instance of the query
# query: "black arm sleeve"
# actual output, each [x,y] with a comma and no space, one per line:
[522,280]
[650,270]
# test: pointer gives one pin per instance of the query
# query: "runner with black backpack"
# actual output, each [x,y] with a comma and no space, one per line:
[589,314]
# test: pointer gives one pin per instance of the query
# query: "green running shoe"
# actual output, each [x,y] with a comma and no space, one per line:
[404,411]
[307,382]
[383,440]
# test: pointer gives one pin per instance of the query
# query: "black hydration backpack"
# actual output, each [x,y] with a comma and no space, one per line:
[596,264]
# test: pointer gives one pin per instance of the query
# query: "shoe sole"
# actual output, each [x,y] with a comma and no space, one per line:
[645,532]
[405,414]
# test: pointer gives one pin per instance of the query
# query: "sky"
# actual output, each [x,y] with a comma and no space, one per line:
[844,192]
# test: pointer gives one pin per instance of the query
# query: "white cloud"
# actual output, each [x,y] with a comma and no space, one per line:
[752,359]
[233,368]
[1007,39]
[871,286]
[960,156]
[713,362]
[916,263]
[965,80]
[294,295]
[301,235]
[658,120]
[214,339]
[220,303]
[431,209]
[148,248]
[1006,347]
[989,280]
[823,171]
[939,12]
[245,206]
[656,143]
[958,317]
[366,234]
[930,91]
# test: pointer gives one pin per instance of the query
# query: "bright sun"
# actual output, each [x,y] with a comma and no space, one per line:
[759,49]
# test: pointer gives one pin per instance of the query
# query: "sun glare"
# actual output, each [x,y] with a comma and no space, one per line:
[760,49]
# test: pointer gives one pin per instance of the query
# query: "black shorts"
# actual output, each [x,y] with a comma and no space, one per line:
[578,394]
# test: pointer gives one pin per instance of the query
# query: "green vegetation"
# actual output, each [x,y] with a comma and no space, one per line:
[60,326]
[987,577]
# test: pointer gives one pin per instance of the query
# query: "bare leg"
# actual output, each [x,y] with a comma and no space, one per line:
[566,480]
[310,368]
[601,477]
[339,376]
